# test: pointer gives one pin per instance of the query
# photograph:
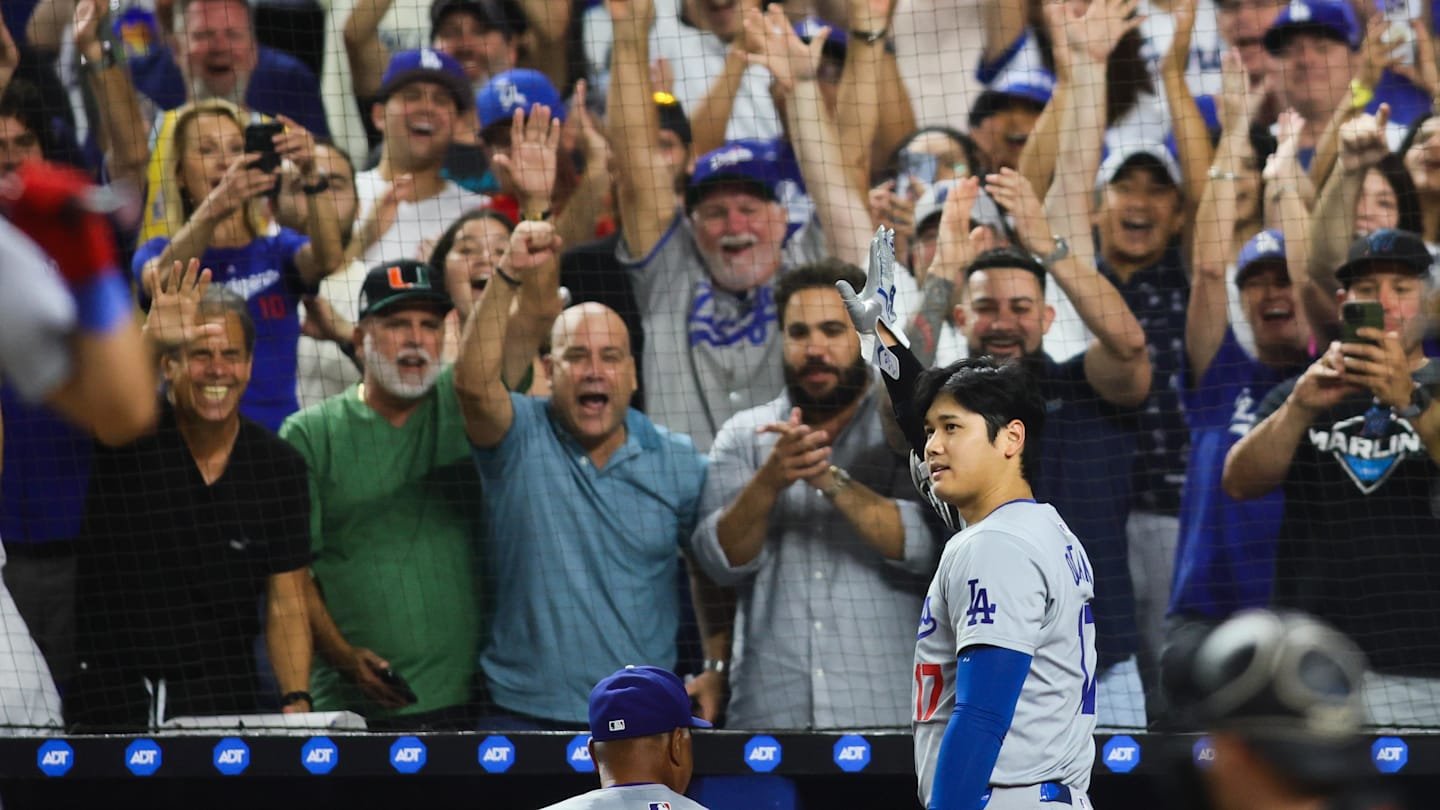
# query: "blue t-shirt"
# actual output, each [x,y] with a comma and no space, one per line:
[1159,296]
[280,85]
[264,274]
[1086,451]
[47,473]
[585,560]
[1226,557]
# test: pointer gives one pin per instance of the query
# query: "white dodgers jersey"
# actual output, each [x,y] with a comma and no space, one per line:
[1018,579]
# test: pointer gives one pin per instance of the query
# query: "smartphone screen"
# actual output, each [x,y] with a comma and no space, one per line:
[1356,314]
[261,138]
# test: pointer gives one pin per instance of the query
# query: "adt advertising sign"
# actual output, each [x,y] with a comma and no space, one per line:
[232,756]
[55,758]
[142,757]
[852,753]
[1204,752]
[1122,754]
[1389,754]
[762,753]
[319,755]
[407,755]
[577,754]
[496,754]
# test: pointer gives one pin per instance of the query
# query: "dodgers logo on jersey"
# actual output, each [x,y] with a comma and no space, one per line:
[981,610]
[1369,447]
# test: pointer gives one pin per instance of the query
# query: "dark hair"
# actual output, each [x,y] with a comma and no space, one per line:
[967,145]
[1126,73]
[817,275]
[1413,133]
[1008,258]
[447,239]
[219,302]
[998,391]
[1407,197]
[23,102]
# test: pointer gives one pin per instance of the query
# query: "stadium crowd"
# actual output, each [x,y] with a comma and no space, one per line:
[500,347]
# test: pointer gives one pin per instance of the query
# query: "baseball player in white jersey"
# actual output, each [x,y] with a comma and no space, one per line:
[1004,690]
[640,743]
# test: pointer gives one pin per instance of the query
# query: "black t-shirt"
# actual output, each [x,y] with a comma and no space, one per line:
[171,570]
[1360,543]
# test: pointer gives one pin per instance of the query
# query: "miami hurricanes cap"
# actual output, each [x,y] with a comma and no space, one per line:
[400,282]
[638,702]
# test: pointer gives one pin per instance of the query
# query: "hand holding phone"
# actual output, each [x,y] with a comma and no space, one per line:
[393,679]
[1355,315]
[260,138]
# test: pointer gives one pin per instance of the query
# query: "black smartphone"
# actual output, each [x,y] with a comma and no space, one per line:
[1356,314]
[261,138]
[392,679]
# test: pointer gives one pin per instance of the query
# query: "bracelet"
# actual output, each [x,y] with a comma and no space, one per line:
[869,37]
[507,278]
[543,216]
[1360,95]
[291,697]
[720,665]
[108,57]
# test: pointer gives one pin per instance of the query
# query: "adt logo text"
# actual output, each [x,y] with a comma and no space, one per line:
[496,754]
[762,753]
[142,757]
[232,756]
[1390,754]
[1204,752]
[852,753]
[55,758]
[577,754]
[1122,754]
[407,755]
[319,755]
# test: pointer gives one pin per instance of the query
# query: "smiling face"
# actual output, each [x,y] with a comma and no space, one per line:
[1139,214]
[472,260]
[1269,303]
[1378,206]
[965,463]
[592,374]
[417,121]
[402,349]
[208,377]
[1004,313]
[217,49]
[824,371]
[481,50]
[209,143]
[1315,74]
[740,236]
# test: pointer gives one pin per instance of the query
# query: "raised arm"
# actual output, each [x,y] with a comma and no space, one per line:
[840,206]
[1259,462]
[857,113]
[1362,146]
[47,25]
[575,223]
[367,54]
[646,197]
[1037,158]
[549,23]
[1192,138]
[956,246]
[240,184]
[484,399]
[124,133]
[711,117]
[1002,22]
[325,252]
[1284,183]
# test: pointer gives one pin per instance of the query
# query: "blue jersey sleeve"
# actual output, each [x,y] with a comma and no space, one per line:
[988,681]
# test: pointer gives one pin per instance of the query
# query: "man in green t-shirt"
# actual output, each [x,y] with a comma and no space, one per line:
[396,516]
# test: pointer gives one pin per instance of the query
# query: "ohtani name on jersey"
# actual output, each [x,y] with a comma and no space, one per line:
[1395,444]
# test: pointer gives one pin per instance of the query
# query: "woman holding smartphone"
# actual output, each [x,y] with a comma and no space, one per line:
[215,195]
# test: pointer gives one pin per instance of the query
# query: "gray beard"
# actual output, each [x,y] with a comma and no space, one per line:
[386,374]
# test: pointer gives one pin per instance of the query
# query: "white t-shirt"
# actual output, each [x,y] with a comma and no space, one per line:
[324,370]
[414,222]
[1021,580]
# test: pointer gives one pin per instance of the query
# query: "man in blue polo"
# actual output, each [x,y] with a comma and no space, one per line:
[587,501]
[640,742]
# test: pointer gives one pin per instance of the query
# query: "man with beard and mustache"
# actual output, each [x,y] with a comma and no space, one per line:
[396,517]
[829,575]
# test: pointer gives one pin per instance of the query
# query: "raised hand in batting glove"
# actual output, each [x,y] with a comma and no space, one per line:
[876,303]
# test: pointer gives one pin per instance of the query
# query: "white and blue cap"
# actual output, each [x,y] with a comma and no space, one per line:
[1265,249]
[1031,87]
[426,65]
[638,702]
[1328,18]
[517,89]
[1149,154]
[753,163]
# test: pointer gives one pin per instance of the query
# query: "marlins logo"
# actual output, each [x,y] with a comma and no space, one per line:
[1369,447]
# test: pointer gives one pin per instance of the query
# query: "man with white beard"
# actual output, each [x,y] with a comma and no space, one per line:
[395,517]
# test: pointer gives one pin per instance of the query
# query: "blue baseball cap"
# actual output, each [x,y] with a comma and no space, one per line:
[1264,248]
[1327,18]
[1390,248]
[756,164]
[639,702]
[1031,88]
[517,89]
[426,65]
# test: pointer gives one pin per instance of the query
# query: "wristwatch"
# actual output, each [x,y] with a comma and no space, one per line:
[1420,400]
[840,479]
[1061,251]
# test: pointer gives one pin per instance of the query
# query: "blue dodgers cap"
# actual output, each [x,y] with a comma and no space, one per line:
[757,164]
[1264,248]
[517,89]
[1032,87]
[1328,18]
[639,702]
[426,65]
